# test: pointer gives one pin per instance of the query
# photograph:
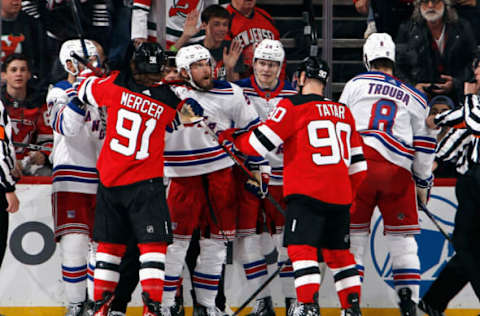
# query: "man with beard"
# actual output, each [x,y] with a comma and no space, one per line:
[201,192]
[435,49]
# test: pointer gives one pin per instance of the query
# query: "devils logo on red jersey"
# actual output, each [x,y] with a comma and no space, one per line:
[182,7]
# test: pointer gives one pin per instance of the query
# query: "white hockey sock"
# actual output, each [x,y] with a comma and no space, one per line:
[174,262]
[405,263]
[208,270]
[358,242]
[249,253]
[286,274]
[92,251]
[74,249]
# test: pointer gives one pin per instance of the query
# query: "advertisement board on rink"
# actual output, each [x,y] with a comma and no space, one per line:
[31,274]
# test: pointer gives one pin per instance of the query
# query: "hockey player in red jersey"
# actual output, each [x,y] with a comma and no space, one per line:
[323,167]
[264,90]
[201,191]
[75,177]
[131,196]
[390,116]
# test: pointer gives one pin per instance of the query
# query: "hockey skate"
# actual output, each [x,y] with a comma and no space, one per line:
[177,309]
[304,309]
[200,310]
[354,309]
[103,306]
[74,309]
[407,306]
[116,313]
[150,307]
[263,307]
[289,301]
[88,308]
[429,310]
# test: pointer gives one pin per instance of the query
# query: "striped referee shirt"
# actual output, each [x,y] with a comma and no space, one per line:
[7,152]
[462,144]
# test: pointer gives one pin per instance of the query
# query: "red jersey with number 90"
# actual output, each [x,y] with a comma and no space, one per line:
[137,117]
[323,156]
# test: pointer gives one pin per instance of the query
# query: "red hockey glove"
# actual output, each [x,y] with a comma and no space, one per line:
[259,187]
[227,135]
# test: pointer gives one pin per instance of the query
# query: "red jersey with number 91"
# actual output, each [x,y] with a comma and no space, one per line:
[322,149]
[137,117]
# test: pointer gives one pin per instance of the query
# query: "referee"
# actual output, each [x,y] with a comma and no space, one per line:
[464,146]
[8,199]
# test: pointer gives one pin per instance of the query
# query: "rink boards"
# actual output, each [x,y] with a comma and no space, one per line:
[30,278]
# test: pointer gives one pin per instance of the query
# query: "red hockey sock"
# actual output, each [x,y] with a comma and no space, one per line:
[345,274]
[152,269]
[106,274]
[307,274]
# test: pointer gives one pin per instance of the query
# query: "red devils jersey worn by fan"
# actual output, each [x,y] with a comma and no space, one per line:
[136,120]
[323,156]
[251,30]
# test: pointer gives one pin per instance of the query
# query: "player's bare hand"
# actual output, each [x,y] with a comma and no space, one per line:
[138,41]
[469,3]
[430,122]
[191,111]
[230,56]
[362,6]
[37,158]
[190,27]
[444,87]
[12,201]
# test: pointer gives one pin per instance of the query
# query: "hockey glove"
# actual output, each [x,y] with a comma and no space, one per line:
[423,188]
[259,187]
[227,135]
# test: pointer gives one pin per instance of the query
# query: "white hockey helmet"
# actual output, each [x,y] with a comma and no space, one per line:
[188,55]
[378,45]
[75,45]
[269,49]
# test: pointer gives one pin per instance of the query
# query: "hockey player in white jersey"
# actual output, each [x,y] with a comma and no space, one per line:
[78,137]
[201,191]
[264,90]
[390,115]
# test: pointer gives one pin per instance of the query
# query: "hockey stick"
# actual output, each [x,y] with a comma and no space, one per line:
[32,146]
[424,208]
[78,26]
[264,285]
[242,166]
[97,71]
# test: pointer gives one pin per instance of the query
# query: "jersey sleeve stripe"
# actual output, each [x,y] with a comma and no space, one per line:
[270,135]
[256,143]
[357,167]
[85,93]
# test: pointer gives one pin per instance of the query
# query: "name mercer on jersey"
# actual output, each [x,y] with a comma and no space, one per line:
[137,103]
[253,35]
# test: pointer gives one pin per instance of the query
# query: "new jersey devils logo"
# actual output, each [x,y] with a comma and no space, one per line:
[11,44]
[182,7]
[433,249]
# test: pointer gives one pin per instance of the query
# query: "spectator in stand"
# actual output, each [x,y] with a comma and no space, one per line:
[215,22]
[435,50]
[23,34]
[250,25]
[364,7]
[29,115]
[145,19]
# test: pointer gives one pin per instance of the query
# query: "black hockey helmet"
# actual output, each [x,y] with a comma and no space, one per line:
[170,58]
[314,68]
[149,57]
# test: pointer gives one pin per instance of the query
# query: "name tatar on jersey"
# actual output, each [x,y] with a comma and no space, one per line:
[139,104]
[330,109]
